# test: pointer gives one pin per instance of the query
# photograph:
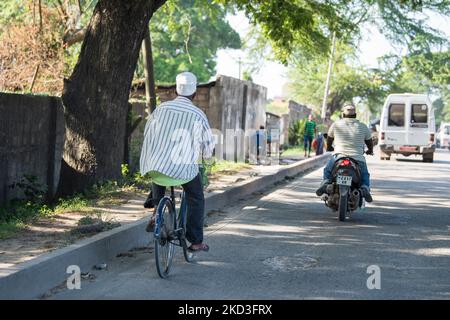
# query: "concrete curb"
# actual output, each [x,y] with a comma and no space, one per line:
[32,279]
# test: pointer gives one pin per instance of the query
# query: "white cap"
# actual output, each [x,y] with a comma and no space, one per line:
[349,110]
[186,84]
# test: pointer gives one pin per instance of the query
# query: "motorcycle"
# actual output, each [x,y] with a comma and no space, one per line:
[344,193]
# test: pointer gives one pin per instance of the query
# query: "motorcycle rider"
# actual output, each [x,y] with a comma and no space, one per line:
[349,136]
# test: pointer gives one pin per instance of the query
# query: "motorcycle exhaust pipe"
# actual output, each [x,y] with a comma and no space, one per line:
[356,193]
[330,189]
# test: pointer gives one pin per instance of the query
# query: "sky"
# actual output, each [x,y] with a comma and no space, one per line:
[273,75]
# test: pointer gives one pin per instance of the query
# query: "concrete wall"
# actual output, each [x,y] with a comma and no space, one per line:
[31,141]
[233,107]
[242,105]
[284,129]
[297,111]
[272,121]
[274,134]
[201,100]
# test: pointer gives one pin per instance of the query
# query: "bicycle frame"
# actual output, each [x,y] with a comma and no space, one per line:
[180,216]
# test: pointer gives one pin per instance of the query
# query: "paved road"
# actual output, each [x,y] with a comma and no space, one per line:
[285,244]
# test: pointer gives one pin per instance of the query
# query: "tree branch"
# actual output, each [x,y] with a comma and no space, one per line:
[73,37]
[40,15]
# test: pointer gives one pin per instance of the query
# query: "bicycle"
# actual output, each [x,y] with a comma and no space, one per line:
[170,231]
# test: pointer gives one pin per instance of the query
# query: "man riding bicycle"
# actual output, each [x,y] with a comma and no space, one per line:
[349,136]
[175,135]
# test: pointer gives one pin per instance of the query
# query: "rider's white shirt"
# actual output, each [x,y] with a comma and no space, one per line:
[175,135]
[349,135]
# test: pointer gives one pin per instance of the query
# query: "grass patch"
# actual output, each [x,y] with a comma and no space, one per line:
[9,229]
[293,151]
[94,223]
[17,214]
[77,203]
[224,167]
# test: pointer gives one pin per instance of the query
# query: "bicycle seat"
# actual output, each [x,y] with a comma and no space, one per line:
[164,180]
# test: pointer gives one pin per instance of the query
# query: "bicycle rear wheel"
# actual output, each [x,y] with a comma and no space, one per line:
[182,218]
[164,236]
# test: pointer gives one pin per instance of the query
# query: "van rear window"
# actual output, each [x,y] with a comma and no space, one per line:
[396,115]
[419,113]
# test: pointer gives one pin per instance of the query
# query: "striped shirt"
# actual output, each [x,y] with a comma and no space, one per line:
[175,134]
[349,135]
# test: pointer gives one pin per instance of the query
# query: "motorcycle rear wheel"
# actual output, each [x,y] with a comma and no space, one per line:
[343,203]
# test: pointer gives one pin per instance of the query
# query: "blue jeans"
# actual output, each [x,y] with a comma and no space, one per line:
[365,176]
[307,141]
[195,204]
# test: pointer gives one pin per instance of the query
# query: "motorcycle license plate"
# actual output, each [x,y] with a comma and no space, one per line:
[344,180]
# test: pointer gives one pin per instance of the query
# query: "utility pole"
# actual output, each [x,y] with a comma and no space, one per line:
[327,83]
[150,92]
[240,63]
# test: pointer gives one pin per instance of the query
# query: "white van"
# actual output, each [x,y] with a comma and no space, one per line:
[444,136]
[407,126]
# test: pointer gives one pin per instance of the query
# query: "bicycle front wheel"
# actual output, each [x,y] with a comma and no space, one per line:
[164,236]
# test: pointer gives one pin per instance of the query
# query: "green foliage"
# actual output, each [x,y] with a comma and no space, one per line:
[76,203]
[348,80]
[125,170]
[11,10]
[98,218]
[417,72]
[306,26]
[291,24]
[134,180]
[8,229]
[186,35]
[405,22]
[296,132]
[18,213]
[31,188]
[434,66]
[247,75]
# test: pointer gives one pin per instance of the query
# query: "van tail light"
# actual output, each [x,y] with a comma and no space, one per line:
[382,136]
[431,137]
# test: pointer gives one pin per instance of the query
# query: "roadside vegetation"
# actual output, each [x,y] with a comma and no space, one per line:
[18,214]
[293,151]
[228,167]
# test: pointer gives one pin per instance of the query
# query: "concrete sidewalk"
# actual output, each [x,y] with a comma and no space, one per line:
[33,278]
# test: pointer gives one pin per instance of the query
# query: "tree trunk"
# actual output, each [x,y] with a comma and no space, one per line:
[150,90]
[334,105]
[96,95]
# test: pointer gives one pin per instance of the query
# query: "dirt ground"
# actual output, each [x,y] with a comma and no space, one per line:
[48,234]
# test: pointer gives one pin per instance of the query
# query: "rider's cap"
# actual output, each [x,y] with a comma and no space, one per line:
[349,110]
[186,84]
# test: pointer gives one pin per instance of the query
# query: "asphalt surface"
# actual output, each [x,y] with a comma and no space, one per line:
[285,244]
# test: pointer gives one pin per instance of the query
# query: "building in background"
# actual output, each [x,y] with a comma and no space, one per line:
[235,110]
